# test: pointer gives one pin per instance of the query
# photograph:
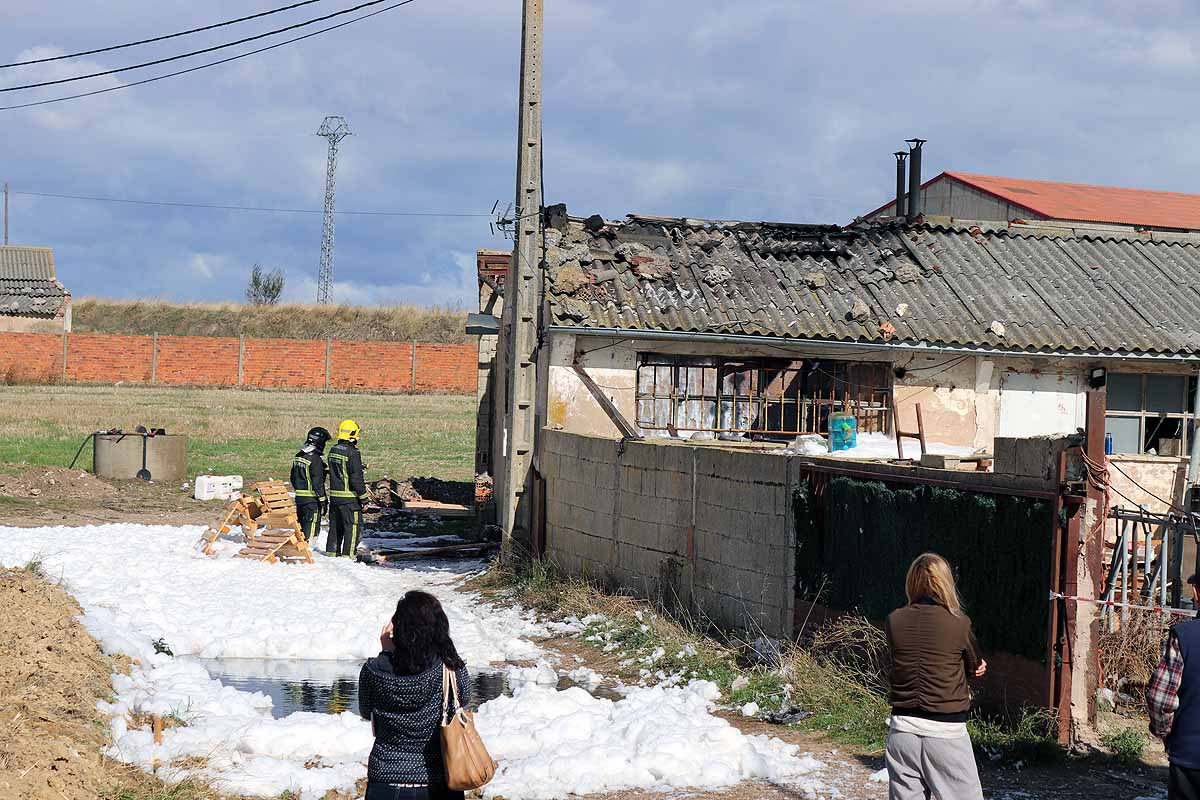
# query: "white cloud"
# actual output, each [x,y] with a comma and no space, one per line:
[780,110]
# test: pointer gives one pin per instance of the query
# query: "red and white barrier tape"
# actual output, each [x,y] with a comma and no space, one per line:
[1117,604]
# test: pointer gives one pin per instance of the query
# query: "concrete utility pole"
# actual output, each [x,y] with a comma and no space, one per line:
[6,213]
[523,297]
[334,129]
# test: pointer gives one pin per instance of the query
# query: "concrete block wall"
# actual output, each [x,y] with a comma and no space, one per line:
[581,481]
[745,539]
[704,529]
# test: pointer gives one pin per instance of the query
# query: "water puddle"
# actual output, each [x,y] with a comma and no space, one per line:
[331,687]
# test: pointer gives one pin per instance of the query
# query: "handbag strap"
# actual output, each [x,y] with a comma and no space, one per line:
[449,693]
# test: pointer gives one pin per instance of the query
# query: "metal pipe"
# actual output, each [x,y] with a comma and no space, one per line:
[900,187]
[916,203]
[862,347]
[1193,450]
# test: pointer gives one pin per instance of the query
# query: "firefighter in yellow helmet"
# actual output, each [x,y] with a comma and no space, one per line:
[347,492]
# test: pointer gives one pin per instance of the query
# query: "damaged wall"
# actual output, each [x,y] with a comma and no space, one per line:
[702,528]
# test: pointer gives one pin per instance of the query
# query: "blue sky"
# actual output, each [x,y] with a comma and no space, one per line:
[752,110]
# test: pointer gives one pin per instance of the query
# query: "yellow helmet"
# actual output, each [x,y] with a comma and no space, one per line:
[348,431]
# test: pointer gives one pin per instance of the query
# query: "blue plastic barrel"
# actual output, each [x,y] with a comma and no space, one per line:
[843,432]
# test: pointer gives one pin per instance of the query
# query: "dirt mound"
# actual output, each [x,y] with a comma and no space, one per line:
[51,675]
[56,483]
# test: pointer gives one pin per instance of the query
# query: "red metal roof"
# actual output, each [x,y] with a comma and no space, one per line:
[1079,201]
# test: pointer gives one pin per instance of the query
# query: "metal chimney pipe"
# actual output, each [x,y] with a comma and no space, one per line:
[900,184]
[916,203]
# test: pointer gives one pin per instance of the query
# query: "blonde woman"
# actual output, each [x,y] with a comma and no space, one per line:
[933,652]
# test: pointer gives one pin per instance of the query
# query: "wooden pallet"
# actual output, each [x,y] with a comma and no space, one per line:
[268,523]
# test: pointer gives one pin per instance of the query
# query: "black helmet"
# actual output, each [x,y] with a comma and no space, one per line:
[319,437]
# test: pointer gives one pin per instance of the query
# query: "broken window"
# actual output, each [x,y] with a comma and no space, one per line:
[759,397]
[1150,414]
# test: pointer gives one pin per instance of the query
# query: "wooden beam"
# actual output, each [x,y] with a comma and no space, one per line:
[610,408]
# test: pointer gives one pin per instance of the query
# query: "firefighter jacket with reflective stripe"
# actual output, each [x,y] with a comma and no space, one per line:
[346,484]
[308,476]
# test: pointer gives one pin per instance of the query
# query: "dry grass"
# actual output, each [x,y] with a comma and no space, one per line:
[1129,655]
[845,696]
[252,433]
[395,324]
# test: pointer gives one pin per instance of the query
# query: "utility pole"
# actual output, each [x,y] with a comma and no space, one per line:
[523,296]
[333,129]
[6,213]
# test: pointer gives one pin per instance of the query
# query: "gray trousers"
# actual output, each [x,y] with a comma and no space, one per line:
[922,767]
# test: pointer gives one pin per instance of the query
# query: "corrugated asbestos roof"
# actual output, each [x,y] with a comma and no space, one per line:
[879,284]
[1083,202]
[28,285]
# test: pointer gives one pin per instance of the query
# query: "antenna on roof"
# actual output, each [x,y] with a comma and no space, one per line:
[504,221]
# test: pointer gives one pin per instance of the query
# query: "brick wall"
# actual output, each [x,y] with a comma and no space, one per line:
[108,358]
[253,363]
[197,361]
[372,366]
[30,357]
[706,529]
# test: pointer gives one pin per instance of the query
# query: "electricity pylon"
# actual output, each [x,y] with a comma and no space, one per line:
[333,129]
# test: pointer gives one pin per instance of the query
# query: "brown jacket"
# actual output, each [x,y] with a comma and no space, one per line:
[933,652]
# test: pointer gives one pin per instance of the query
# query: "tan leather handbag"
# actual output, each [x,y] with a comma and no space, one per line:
[468,764]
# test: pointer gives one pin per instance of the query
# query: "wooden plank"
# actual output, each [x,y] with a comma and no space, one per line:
[438,509]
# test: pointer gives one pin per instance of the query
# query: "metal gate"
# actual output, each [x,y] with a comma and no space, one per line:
[1147,569]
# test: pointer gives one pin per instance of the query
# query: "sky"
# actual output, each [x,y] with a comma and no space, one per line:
[779,110]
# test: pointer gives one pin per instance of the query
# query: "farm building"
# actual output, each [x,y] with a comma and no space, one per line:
[966,197]
[31,298]
[680,357]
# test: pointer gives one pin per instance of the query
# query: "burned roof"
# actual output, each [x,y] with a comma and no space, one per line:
[1056,291]
[28,284]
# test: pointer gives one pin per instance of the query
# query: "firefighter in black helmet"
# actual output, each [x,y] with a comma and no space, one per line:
[347,492]
[308,480]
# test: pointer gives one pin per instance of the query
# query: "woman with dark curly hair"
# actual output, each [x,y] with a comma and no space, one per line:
[400,692]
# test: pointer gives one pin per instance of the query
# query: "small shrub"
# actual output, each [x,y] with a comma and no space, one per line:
[264,288]
[1126,744]
[35,567]
[1029,735]
[161,646]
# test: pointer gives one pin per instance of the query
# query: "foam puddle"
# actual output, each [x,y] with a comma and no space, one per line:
[331,687]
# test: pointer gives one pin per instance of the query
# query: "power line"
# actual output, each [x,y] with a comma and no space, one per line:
[218,207]
[209,64]
[159,38]
[201,52]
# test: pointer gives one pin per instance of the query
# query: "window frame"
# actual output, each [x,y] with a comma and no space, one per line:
[1144,416]
[723,395]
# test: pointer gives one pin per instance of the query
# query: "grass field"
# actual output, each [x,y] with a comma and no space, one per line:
[391,324]
[231,431]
